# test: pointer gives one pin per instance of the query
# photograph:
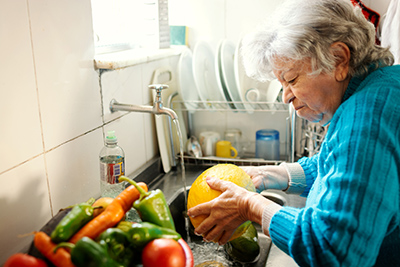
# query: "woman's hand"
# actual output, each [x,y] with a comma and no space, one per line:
[225,213]
[268,177]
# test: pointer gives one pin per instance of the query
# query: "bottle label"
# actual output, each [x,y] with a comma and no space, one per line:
[110,172]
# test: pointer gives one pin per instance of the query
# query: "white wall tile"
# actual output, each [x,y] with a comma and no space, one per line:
[206,20]
[19,121]
[73,170]
[24,203]
[68,85]
[123,85]
[243,17]
[151,143]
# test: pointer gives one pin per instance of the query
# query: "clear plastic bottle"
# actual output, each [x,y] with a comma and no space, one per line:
[112,166]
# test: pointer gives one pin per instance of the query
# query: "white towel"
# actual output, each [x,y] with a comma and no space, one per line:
[391,29]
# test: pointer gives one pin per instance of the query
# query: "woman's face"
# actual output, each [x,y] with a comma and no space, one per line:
[314,97]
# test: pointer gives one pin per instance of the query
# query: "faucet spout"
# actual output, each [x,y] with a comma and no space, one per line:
[157,107]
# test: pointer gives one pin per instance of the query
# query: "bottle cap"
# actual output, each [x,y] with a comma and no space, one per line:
[111,138]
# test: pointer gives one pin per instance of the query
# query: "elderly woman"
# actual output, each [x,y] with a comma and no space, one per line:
[324,54]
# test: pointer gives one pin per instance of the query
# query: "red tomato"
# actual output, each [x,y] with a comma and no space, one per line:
[188,253]
[24,260]
[163,252]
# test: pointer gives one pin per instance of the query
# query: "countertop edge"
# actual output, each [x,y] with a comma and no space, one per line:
[131,57]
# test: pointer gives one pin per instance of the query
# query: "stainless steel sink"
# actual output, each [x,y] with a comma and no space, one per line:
[177,207]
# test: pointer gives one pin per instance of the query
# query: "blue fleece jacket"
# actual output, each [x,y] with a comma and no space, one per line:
[352,213]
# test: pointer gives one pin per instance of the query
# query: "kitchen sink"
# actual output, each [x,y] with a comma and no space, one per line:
[178,211]
[172,185]
[270,255]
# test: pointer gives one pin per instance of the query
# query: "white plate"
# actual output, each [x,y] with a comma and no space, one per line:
[239,77]
[252,90]
[220,81]
[187,87]
[227,50]
[204,74]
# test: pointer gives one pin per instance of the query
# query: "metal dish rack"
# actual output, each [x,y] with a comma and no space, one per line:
[230,106]
[224,106]
[211,161]
[311,137]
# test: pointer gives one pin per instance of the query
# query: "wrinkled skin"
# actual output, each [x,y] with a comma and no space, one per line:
[268,177]
[314,97]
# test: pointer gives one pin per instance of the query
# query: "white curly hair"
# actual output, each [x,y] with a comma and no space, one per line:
[306,29]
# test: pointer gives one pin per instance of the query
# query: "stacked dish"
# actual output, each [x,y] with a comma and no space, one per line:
[219,81]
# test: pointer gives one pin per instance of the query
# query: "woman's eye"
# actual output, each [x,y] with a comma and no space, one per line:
[292,80]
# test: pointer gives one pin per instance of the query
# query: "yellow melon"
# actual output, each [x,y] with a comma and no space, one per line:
[200,191]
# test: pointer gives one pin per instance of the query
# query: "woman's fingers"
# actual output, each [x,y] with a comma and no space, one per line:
[200,209]
[217,184]
[208,229]
[222,213]
[215,233]
[225,237]
[221,185]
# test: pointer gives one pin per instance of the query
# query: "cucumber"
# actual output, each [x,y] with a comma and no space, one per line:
[245,248]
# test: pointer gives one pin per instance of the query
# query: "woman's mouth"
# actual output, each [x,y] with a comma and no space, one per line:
[298,108]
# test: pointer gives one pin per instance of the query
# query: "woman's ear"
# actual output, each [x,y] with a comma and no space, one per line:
[341,53]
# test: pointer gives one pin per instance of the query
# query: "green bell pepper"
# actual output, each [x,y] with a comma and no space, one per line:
[116,242]
[142,233]
[88,253]
[73,221]
[152,206]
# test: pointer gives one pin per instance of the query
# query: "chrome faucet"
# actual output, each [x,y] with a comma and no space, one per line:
[157,107]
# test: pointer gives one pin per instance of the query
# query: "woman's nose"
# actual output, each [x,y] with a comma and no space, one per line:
[287,95]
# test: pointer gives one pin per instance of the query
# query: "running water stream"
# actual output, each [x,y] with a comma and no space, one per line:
[179,132]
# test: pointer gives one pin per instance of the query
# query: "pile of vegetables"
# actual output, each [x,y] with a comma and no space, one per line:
[93,235]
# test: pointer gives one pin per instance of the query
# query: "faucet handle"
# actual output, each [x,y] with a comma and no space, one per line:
[158,87]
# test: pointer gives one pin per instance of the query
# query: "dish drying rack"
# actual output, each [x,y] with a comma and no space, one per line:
[211,161]
[232,106]
[312,135]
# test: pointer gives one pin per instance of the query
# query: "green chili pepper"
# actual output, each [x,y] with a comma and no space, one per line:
[88,253]
[152,206]
[73,221]
[142,233]
[124,226]
[116,242]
